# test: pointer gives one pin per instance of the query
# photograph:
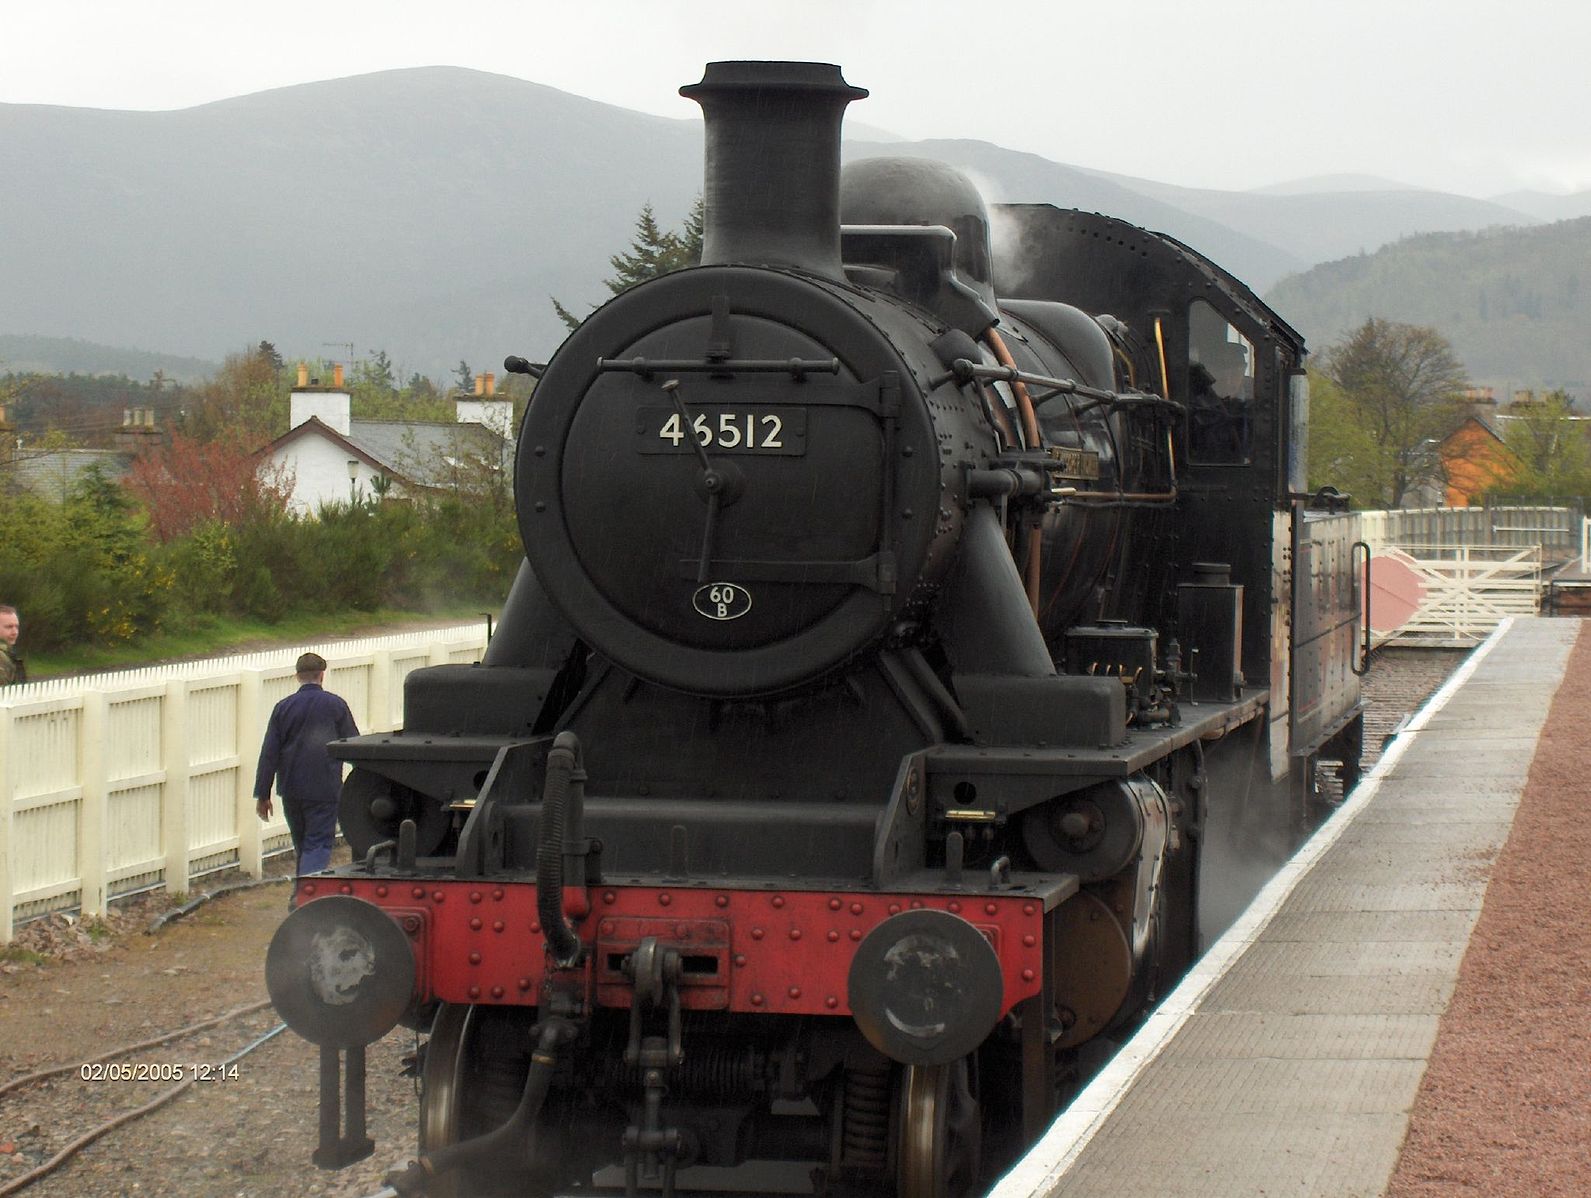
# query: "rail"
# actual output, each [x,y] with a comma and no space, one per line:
[113,784]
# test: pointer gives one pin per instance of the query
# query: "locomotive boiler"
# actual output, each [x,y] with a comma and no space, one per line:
[918,599]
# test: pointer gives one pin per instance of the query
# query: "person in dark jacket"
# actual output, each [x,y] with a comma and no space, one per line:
[12,671]
[306,776]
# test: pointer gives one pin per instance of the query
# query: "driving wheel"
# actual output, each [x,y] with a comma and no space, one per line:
[938,1134]
[475,1066]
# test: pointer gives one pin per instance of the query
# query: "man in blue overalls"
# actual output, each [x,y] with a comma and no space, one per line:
[294,755]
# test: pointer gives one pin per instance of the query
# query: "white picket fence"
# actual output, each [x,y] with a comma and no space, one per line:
[1557,531]
[116,783]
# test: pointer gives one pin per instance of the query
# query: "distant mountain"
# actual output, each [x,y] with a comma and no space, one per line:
[432,212]
[1332,183]
[67,355]
[1515,303]
[1547,207]
[1332,223]
[428,212]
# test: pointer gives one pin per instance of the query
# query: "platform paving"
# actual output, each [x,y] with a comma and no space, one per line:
[1287,1063]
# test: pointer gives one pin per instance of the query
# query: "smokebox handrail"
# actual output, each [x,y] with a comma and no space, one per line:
[646,367]
[964,370]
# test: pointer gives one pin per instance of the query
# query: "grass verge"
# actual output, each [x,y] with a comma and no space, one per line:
[209,636]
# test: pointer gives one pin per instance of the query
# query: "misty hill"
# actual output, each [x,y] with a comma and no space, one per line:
[63,355]
[1515,303]
[1342,215]
[1548,207]
[431,213]
[1337,182]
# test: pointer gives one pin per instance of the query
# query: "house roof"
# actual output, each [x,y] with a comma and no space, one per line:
[418,452]
[426,452]
[1485,425]
[53,473]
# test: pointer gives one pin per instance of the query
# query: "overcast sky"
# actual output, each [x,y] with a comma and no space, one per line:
[1478,97]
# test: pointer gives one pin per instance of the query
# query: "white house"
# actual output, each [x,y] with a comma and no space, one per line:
[334,458]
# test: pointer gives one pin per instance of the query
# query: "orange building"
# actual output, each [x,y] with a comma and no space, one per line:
[1475,459]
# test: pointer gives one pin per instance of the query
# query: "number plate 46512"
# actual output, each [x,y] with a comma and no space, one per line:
[781,430]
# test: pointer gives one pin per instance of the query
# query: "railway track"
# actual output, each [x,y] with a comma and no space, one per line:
[133,1069]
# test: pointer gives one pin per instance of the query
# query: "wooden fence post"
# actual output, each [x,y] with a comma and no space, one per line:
[380,691]
[174,795]
[251,728]
[93,727]
[7,786]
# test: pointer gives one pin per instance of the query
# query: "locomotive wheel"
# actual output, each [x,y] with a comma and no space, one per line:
[442,1086]
[938,1132]
[471,1083]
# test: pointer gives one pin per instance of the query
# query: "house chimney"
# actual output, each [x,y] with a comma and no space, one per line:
[489,410]
[329,404]
[138,433]
[337,375]
[491,383]
[303,374]
[480,384]
[772,187]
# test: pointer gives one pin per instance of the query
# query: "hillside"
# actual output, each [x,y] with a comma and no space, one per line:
[1515,303]
[1321,219]
[431,212]
[66,355]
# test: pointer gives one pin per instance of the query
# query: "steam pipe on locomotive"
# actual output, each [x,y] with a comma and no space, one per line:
[889,658]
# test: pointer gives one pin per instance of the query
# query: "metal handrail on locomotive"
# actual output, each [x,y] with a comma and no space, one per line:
[922,621]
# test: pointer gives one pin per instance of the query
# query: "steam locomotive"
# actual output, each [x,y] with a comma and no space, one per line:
[919,599]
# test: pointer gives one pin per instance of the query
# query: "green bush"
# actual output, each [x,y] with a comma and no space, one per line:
[203,567]
[81,572]
[88,571]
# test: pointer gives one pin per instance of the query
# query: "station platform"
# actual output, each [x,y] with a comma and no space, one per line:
[1287,1062]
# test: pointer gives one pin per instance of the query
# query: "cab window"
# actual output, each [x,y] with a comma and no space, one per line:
[1220,389]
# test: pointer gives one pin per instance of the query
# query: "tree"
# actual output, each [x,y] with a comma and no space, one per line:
[1341,451]
[653,252]
[464,376]
[1553,452]
[267,351]
[188,482]
[83,566]
[248,398]
[1403,390]
[376,372]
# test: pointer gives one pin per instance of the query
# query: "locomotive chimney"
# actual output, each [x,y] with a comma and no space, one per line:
[772,186]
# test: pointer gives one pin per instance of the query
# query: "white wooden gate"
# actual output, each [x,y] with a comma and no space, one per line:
[1469,590]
